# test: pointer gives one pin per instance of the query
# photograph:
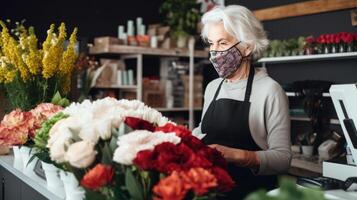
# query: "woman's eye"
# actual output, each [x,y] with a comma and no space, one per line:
[223,43]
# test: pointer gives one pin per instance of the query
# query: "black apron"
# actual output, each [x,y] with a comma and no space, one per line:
[226,122]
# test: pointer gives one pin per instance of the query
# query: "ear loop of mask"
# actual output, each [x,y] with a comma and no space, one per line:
[235,45]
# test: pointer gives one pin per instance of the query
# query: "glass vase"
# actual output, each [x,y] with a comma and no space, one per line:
[341,48]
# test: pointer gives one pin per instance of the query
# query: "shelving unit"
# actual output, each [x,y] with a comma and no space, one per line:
[301,165]
[136,52]
[304,58]
[124,49]
[293,94]
[132,87]
[332,121]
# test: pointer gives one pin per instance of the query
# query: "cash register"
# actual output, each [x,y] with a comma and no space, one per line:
[339,176]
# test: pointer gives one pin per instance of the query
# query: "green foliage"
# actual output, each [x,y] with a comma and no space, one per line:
[182,16]
[288,191]
[42,134]
[57,99]
[27,95]
[133,185]
[290,47]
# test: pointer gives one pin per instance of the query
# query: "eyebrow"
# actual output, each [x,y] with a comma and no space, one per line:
[218,40]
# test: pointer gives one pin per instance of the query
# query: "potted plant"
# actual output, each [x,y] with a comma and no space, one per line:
[182,16]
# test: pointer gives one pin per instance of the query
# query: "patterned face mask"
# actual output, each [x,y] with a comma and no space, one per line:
[226,62]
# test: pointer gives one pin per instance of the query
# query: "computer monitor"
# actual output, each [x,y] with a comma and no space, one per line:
[344,98]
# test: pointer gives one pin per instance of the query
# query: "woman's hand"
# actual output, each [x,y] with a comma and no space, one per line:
[239,157]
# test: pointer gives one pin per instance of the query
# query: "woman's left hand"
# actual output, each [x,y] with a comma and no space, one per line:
[238,156]
[230,154]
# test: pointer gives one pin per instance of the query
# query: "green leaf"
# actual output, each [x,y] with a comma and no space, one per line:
[92,195]
[107,154]
[133,185]
[64,102]
[31,159]
[113,141]
[56,98]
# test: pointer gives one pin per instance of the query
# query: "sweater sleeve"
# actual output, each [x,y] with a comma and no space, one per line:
[276,159]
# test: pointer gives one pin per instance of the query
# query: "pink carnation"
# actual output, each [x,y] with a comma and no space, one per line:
[16,127]
[42,112]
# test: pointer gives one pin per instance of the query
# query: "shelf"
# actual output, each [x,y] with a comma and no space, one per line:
[317,57]
[293,94]
[35,182]
[176,109]
[309,164]
[124,49]
[332,121]
[131,87]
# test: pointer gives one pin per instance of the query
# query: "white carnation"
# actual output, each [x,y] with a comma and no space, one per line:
[132,143]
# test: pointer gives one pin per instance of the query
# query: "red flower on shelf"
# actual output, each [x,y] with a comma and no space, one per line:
[139,124]
[98,177]
[310,39]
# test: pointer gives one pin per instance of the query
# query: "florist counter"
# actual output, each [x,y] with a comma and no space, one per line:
[15,185]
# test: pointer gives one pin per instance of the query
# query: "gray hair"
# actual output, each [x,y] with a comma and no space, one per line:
[240,23]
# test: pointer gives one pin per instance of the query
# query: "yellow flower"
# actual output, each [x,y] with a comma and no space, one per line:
[53,52]
[66,84]
[7,75]
[33,58]
[11,50]
[69,56]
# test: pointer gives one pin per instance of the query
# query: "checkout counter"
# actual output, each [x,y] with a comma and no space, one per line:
[339,176]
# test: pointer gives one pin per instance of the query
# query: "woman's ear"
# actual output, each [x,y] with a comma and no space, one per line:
[248,49]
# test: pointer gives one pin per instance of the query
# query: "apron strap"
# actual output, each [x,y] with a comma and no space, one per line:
[248,89]
[217,91]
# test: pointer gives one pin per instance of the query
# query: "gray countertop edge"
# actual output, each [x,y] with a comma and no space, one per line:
[37,183]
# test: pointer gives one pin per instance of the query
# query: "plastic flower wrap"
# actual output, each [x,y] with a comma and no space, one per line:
[32,73]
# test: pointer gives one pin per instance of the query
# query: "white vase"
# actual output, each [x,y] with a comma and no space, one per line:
[307,150]
[17,158]
[181,42]
[28,167]
[71,186]
[53,180]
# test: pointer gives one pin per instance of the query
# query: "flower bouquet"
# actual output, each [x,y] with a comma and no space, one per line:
[127,150]
[30,74]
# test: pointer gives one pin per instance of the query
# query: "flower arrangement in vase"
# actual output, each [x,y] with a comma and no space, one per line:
[30,73]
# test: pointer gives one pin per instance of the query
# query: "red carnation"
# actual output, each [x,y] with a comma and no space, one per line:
[214,156]
[139,124]
[98,177]
[167,157]
[145,160]
[184,133]
[193,142]
[180,131]
[225,182]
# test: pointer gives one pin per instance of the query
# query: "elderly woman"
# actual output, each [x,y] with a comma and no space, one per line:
[245,114]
